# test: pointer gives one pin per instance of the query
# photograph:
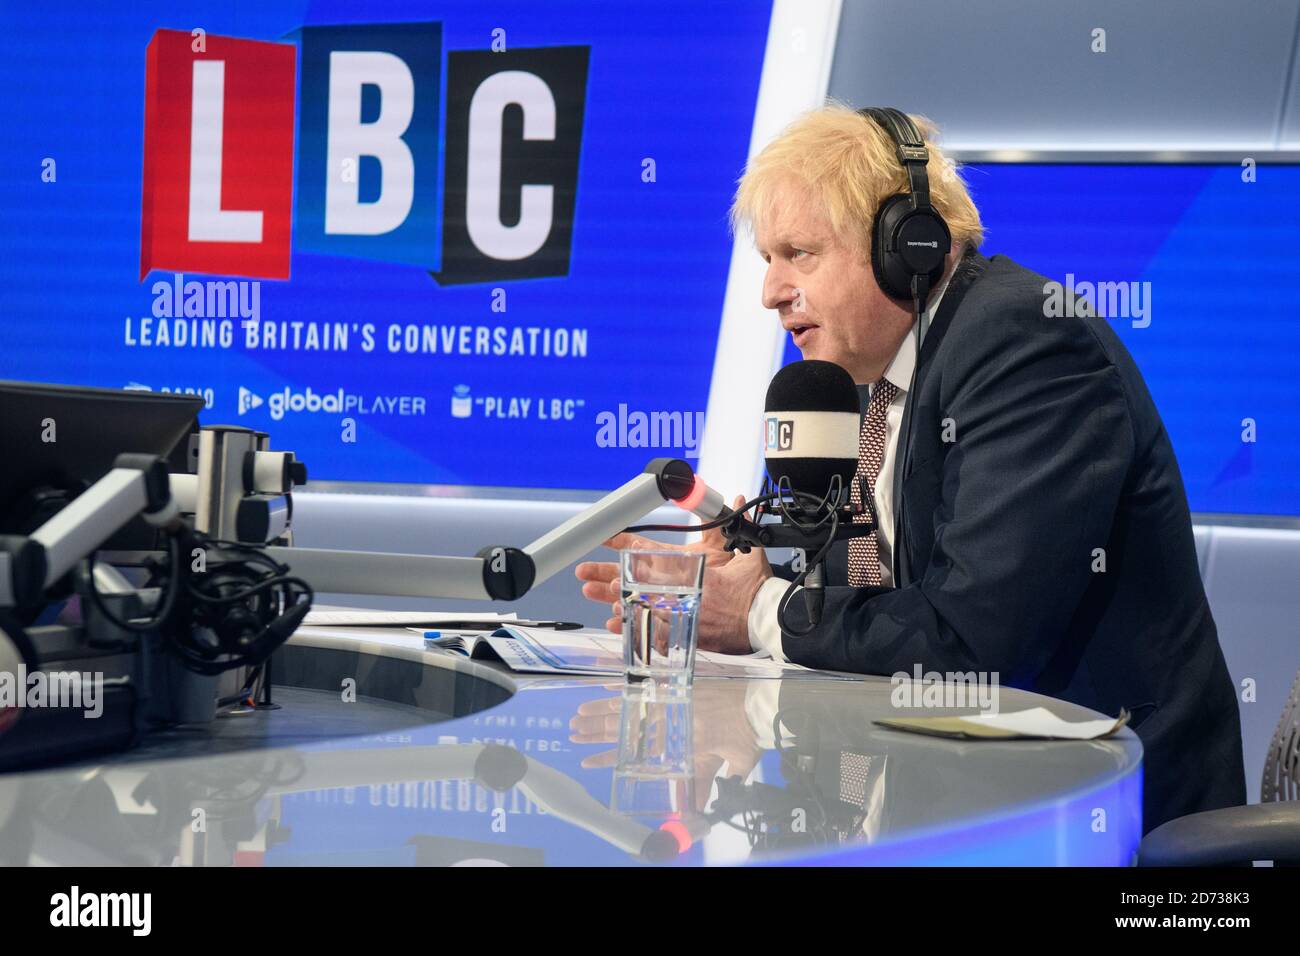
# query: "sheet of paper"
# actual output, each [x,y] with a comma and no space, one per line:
[1037,723]
[360,617]
[1041,722]
[534,651]
[546,651]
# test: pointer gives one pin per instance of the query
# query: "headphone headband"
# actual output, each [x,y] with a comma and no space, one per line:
[909,147]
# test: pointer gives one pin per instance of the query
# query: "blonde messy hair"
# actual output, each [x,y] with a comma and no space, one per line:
[851,165]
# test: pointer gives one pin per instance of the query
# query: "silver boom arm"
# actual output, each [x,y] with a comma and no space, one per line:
[136,485]
[28,566]
[502,573]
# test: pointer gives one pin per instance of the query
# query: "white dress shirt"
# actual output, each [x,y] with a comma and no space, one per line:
[764,632]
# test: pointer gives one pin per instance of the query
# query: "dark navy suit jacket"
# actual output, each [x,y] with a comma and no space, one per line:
[1057,465]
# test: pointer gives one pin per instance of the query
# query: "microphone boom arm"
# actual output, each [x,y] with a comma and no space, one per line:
[504,573]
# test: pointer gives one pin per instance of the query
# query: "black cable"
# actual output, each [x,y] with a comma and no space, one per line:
[819,504]
[831,498]
[271,581]
[287,591]
[781,495]
[243,579]
[168,594]
[247,693]
[704,526]
[920,290]
[798,581]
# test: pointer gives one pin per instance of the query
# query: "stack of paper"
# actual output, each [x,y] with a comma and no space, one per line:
[536,650]
[327,616]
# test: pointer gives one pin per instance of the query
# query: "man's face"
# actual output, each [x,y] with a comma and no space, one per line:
[824,291]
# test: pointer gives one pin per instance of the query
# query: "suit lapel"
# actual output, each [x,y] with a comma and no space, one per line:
[969,269]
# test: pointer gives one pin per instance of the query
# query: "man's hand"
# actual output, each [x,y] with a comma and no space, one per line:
[730,582]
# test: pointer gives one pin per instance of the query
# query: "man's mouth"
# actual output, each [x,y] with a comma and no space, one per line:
[800,334]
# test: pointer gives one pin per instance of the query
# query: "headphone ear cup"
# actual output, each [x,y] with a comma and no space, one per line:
[907,242]
[891,272]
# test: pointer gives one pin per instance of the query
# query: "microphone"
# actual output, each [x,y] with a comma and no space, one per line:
[679,484]
[811,422]
[810,427]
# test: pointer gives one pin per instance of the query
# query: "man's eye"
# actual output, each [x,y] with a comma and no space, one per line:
[798,253]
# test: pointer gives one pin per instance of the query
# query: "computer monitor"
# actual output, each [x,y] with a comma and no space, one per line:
[63,438]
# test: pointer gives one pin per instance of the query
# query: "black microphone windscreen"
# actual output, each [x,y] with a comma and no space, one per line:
[812,386]
[811,421]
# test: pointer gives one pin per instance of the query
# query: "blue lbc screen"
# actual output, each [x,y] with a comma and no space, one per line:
[457,372]
[464,345]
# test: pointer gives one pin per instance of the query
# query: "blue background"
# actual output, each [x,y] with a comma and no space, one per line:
[671,81]
[1221,257]
[675,82]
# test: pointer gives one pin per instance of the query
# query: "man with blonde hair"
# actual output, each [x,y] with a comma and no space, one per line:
[1035,529]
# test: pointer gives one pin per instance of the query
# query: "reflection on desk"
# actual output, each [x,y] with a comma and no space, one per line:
[577,772]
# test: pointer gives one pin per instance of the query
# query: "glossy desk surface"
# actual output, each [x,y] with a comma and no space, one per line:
[386,753]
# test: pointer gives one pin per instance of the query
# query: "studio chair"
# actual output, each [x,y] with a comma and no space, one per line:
[1269,830]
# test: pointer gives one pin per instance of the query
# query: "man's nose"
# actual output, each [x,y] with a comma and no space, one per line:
[777,290]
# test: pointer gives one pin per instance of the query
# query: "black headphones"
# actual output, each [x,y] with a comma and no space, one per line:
[909,246]
[909,239]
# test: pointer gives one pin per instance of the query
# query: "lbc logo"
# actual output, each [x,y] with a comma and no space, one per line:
[371,181]
[780,434]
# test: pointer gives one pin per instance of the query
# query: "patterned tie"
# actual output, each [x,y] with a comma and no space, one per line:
[864,552]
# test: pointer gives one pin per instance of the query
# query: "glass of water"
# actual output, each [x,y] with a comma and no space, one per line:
[661,606]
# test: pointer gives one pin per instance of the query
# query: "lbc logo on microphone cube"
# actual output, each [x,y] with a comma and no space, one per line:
[780,434]
[220,151]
